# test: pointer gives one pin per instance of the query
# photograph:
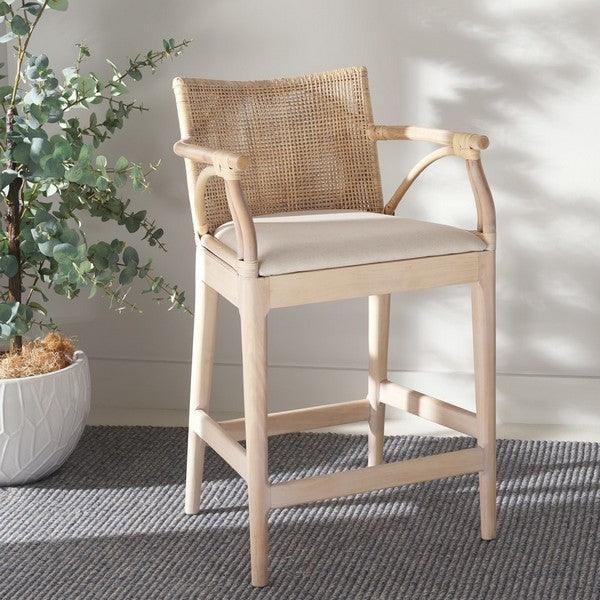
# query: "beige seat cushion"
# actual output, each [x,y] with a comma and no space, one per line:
[308,241]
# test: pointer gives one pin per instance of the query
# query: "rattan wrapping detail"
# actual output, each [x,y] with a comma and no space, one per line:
[305,138]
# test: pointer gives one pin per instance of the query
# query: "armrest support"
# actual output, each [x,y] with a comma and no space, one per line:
[484,202]
[228,166]
[393,202]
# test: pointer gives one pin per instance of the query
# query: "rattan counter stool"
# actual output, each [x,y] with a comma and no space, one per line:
[287,209]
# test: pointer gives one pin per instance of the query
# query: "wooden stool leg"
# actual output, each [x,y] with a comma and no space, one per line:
[484,344]
[205,322]
[379,328]
[253,315]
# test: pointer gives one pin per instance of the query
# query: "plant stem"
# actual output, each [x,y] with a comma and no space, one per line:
[13,231]
[13,216]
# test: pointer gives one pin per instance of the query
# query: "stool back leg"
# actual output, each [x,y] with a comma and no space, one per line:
[379,329]
[484,345]
[253,317]
[205,324]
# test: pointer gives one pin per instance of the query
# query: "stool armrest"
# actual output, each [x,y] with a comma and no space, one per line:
[459,141]
[216,158]
[464,145]
[228,166]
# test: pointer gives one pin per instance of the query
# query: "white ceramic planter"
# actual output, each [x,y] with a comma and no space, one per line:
[41,420]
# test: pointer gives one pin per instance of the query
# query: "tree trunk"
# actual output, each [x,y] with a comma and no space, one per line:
[13,231]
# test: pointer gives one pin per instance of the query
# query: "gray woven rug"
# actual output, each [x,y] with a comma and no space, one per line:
[110,524]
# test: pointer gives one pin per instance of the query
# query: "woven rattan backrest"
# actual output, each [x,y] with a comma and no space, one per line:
[305,138]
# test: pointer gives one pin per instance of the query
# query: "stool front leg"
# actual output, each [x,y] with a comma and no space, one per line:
[205,321]
[253,316]
[379,329]
[484,345]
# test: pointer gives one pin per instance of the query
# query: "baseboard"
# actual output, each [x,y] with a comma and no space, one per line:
[137,416]
[396,424]
[156,392]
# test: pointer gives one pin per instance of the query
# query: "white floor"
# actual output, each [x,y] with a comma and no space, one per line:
[407,425]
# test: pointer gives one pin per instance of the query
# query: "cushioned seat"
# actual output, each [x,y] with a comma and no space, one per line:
[307,241]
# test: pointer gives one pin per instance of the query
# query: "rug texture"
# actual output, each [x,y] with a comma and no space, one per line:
[110,524]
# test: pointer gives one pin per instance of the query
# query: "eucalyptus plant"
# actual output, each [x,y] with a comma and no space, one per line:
[53,174]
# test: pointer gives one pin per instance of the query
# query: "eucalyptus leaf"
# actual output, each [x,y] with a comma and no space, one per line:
[132,224]
[9,265]
[21,153]
[21,326]
[53,167]
[69,73]
[47,247]
[33,8]
[86,86]
[24,312]
[40,148]
[40,114]
[69,236]
[128,274]
[38,307]
[130,256]
[121,164]
[42,61]
[7,177]
[102,183]
[51,83]
[19,25]
[6,312]
[34,96]
[75,173]
[58,4]
[85,154]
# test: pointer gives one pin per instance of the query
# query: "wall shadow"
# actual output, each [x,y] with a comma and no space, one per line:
[509,67]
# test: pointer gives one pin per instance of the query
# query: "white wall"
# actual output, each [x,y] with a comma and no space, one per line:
[526,72]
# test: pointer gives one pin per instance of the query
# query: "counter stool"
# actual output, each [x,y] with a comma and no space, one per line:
[287,208]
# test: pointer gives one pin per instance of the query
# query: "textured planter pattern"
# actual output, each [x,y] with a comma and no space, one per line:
[41,420]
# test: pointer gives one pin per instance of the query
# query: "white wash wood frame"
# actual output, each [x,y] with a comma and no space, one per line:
[221,271]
